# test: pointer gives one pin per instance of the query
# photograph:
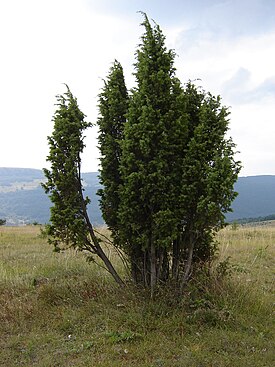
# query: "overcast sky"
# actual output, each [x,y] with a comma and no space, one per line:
[228,44]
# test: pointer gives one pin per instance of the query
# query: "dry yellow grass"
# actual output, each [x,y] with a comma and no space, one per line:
[252,251]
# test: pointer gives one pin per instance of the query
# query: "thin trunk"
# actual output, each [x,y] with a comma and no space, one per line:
[153,263]
[160,257]
[98,249]
[176,258]
[134,270]
[102,254]
[146,269]
[165,267]
[136,263]
[188,264]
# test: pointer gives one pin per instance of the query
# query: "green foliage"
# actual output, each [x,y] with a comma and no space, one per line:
[176,168]
[167,170]
[209,171]
[151,155]
[2,222]
[68,225]
[113,104]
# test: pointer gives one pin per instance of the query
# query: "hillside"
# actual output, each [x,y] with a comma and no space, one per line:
[22,200]
[256,197]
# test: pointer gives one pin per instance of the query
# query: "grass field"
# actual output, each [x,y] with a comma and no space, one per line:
[59,310]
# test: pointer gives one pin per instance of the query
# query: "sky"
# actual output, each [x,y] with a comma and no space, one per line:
[228,46]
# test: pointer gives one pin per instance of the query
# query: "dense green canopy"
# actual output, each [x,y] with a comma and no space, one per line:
[167,169]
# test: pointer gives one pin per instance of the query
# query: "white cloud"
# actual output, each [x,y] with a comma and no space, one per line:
[254,134]
[242,71]
[45,43]
[48,43]
[240,89]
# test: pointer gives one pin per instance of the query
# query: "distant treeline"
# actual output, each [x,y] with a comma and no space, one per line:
[254,220]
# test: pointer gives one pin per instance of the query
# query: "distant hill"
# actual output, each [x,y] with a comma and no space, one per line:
[22,200]
[256,197]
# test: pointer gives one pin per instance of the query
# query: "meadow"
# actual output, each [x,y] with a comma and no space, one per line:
[59,310]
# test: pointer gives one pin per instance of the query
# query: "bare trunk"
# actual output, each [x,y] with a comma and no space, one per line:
[176,259]
[163,265]
[160,257]
[146,269]
[99,251]
[135,270]
[137,265]
[96,245]
[153,264]
[188,264]
[102,255]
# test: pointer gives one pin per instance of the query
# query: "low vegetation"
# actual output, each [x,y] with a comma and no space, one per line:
[59,310]
[255,220]
[2,222]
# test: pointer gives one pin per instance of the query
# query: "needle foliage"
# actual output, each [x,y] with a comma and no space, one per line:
[167,171]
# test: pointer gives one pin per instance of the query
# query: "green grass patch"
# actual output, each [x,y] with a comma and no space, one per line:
[59,310]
